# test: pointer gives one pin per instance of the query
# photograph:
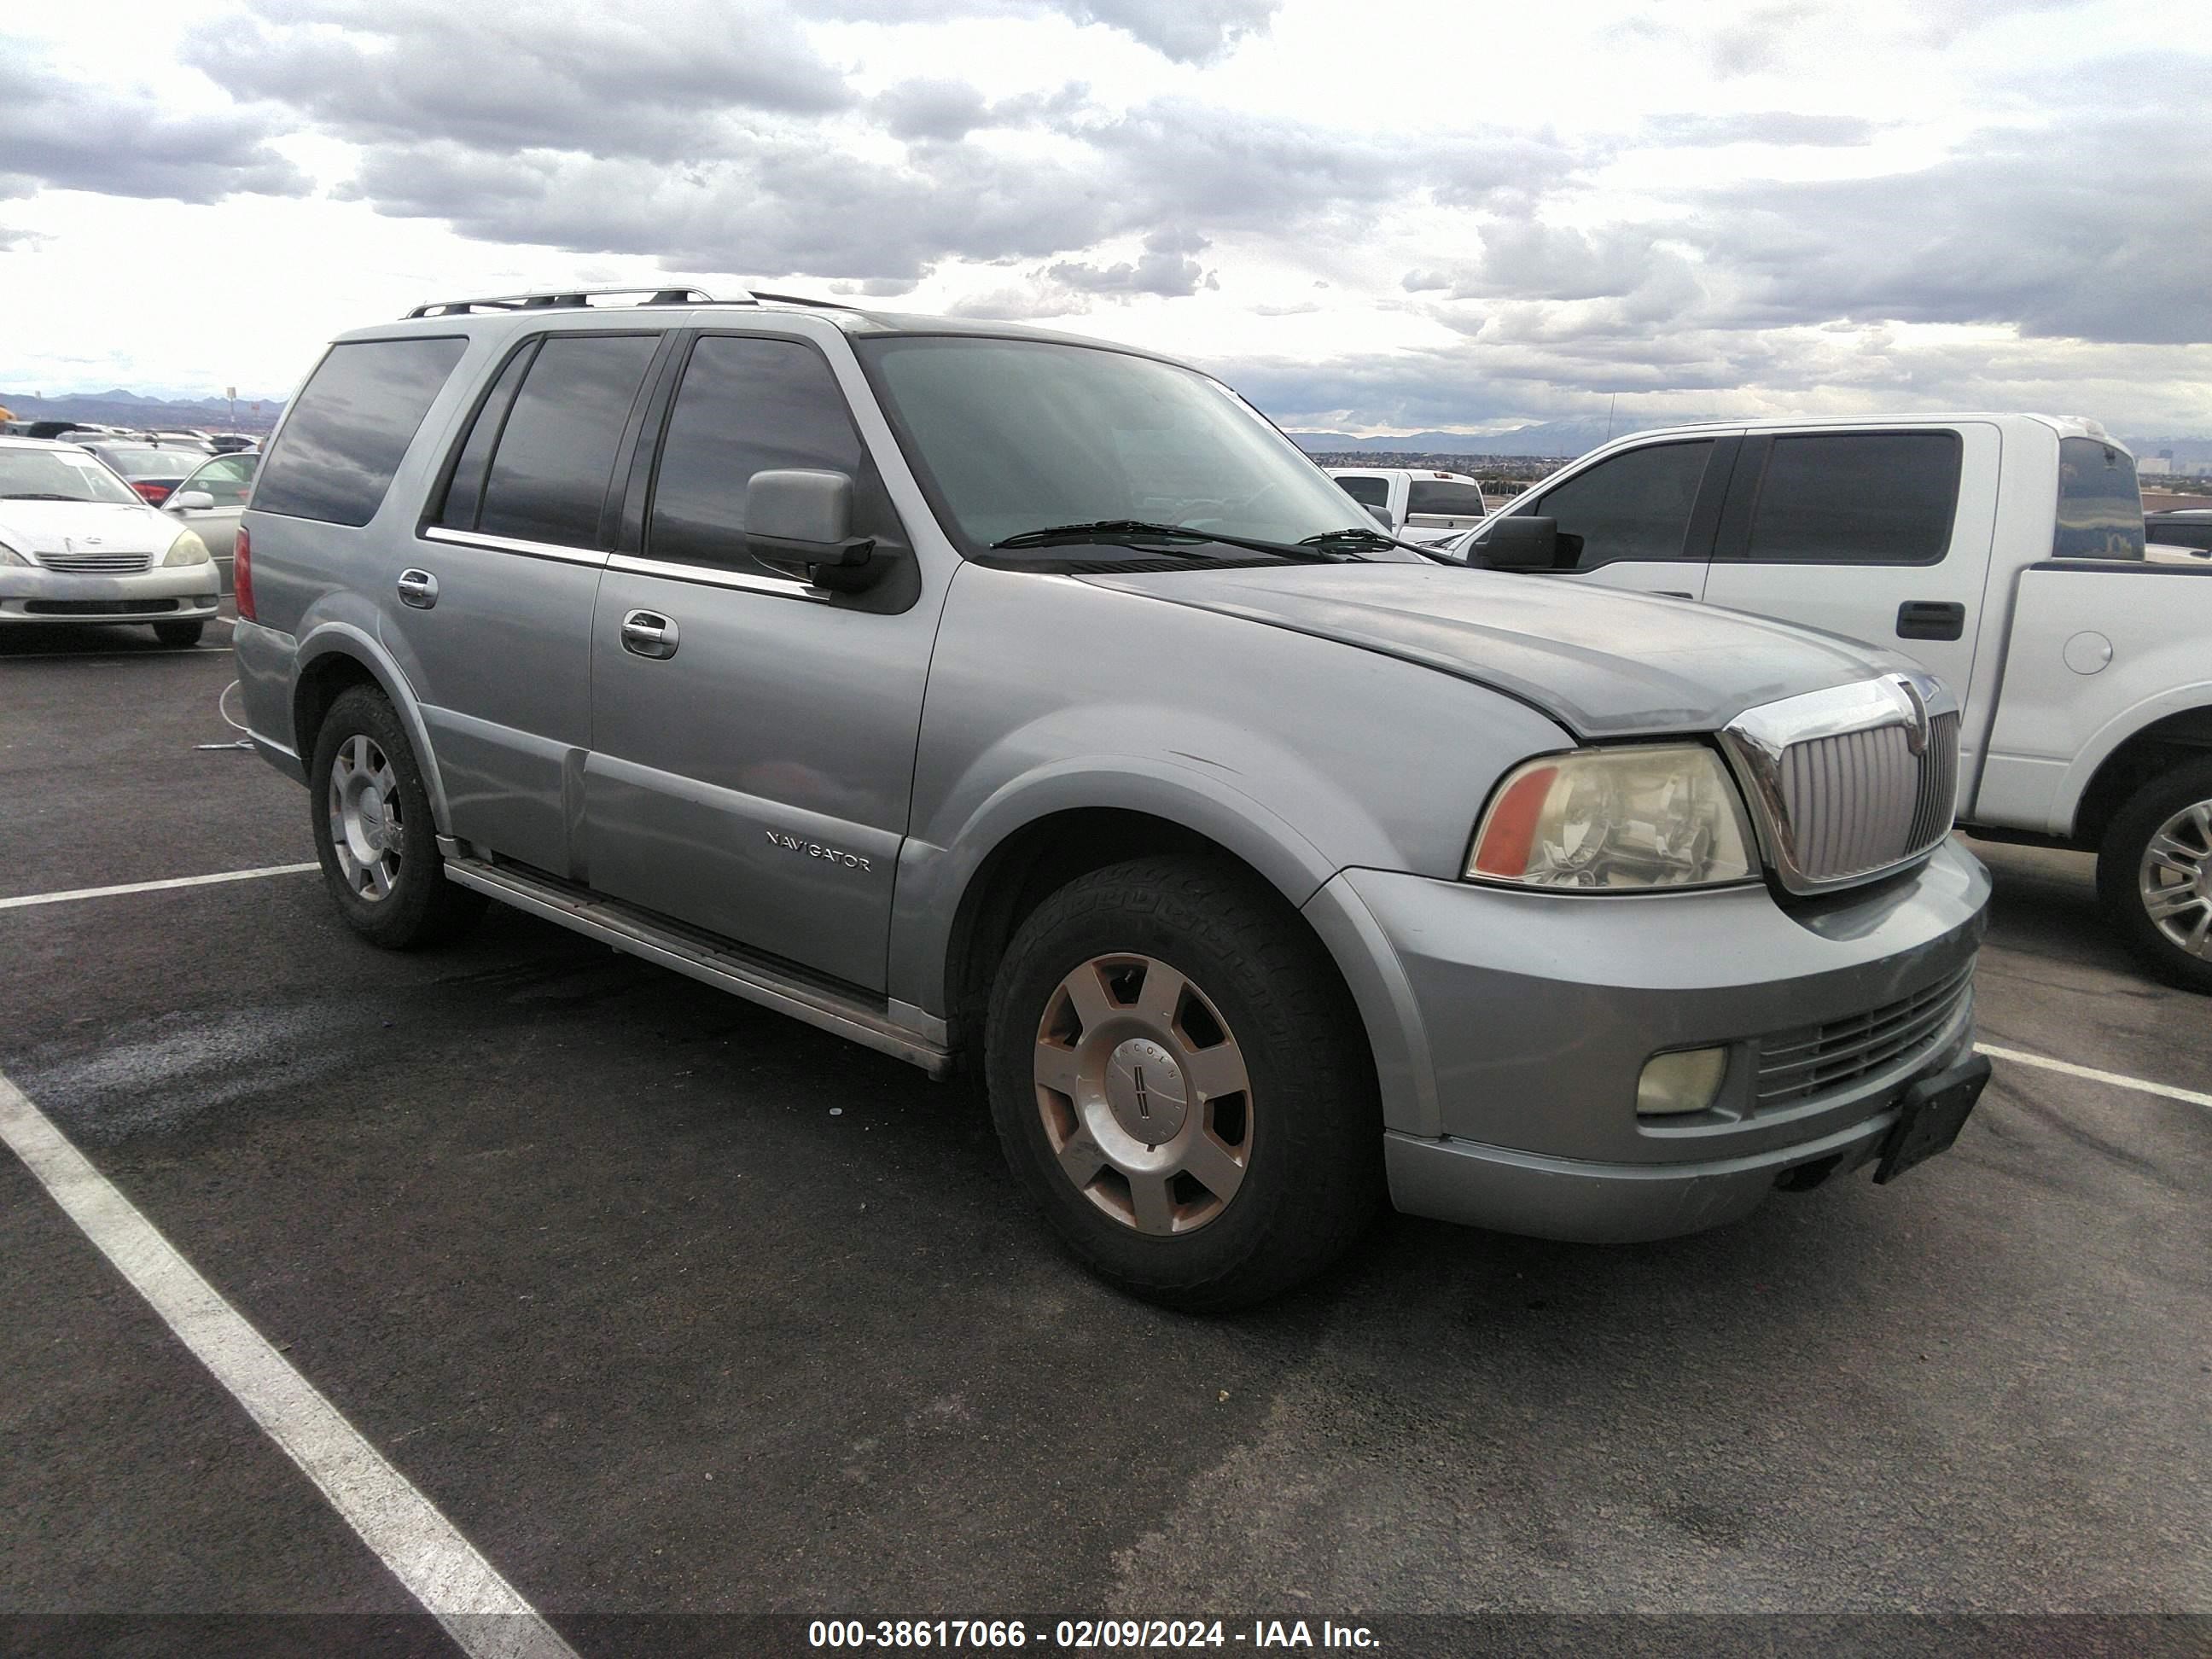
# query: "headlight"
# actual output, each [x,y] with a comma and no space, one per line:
[187,548]
[10,555]
[1618,819]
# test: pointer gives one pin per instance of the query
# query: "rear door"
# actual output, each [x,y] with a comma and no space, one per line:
[1640,519]
[752,736]
[1881,536]
[494,607]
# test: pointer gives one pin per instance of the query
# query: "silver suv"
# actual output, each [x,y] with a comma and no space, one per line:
[994,697]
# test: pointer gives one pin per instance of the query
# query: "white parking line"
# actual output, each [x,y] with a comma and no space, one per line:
[483,1613]
[154,886]
[2019,1058]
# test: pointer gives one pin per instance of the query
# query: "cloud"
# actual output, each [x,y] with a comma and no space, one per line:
[1165,268]
[1023,302]
[931,109]
[653,81]
[122,140]
[1188,31]
[1761,127]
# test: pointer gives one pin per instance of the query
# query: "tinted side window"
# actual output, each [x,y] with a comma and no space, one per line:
[548,482]
[350,426]
[2184,533]
[1636,506]
[1457,501]
[2100,503]
[1368,492]
[465,494]
[1857,498]
[745,406]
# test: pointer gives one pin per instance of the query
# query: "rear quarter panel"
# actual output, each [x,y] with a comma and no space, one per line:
[2056,722]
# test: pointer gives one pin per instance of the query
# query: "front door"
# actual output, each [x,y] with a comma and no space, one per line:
[1642,519]
[753,738]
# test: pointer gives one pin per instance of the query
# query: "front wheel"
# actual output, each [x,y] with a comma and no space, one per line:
[2154,875]
[371,814]
[1180,1080]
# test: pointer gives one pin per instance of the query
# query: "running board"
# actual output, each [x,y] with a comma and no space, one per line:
[726,969]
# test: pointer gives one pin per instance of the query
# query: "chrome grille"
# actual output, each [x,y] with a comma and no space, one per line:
[1841,792]
[1861,801]
[1814,1060]
[100,563]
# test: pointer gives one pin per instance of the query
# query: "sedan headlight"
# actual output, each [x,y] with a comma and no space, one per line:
[10,555]
[187,548]
[1666,816]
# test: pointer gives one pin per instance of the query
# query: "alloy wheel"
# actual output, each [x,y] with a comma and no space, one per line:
[365,810]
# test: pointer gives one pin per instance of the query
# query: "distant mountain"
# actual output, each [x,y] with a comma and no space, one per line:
[117,407]
[1565,439]
[1557,439]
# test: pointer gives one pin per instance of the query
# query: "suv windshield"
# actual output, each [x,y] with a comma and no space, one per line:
[1015,436]
[60,474]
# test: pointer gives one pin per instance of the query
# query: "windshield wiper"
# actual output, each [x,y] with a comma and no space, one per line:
[1361,535]
[1137,533]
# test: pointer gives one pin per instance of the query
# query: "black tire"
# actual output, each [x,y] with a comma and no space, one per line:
[2120,859]
[420,905]
[1311,1129]
[179,636]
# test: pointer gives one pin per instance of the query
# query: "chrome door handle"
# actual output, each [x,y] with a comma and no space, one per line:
[648,634]
[418,588]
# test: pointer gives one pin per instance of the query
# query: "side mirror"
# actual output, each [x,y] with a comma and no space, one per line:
[1524,543]
[190,501]
[801,519]
[1381,513]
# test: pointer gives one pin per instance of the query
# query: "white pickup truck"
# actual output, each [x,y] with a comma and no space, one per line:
[2005,552]
[1415,506]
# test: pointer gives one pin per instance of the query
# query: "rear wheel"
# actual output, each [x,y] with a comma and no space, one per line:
[1180,1080]
[2154,875]
[180,635]
[373,833]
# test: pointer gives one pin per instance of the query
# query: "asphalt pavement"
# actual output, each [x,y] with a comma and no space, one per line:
[676,1307]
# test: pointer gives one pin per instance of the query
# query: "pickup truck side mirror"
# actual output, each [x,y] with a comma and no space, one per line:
[1523,543]
[799,519]
[190,501]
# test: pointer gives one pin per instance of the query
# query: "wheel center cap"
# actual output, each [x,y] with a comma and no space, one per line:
[1144,1090]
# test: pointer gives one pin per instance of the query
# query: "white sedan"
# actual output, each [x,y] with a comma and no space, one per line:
[78,545]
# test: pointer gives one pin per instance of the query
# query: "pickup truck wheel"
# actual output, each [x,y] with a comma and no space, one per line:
[1181,1082]
[2154,875]
[370,815]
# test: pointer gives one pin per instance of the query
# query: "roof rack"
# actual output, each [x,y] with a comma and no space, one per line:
[571,299]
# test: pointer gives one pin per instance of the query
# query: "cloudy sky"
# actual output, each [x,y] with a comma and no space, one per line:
[1369,216]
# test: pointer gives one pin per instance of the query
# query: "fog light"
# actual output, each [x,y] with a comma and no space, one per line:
[1688,1081]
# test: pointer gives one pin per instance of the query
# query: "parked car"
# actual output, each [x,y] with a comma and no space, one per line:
[1418,507]
[70,431]
[1258,862]
[2185,526]
[77,545]
[2005,554]
[229,443]
[152,470]
[209,499]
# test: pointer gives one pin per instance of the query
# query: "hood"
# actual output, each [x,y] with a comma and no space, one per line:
[51,526]
[1601,662]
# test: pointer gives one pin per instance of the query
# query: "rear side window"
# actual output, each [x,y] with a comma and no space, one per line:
[1636,506]
[1857,498]
[745,406]
[1458,500]
[350,426]
[556,453]
[1368,492]
[2099,504]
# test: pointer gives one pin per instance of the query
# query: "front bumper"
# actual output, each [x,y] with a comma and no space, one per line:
[184,592]
[1510,1028]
